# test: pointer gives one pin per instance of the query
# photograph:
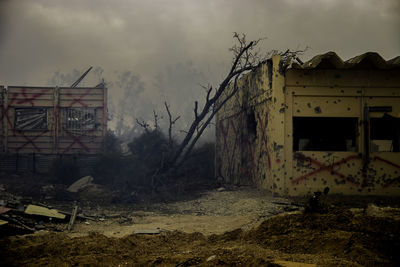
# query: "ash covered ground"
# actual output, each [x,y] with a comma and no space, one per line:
[207,226]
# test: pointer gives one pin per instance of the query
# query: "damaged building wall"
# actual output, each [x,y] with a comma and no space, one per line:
[230,121]
[46,120]
[299,130]
[249,142]
[332,105]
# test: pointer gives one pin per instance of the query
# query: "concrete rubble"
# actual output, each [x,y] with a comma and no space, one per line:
[80,184]
[23,216]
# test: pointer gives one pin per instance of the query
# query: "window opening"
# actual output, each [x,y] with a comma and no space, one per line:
[79,119]
[325,134]
[252,124]
[385,134]
[30,119]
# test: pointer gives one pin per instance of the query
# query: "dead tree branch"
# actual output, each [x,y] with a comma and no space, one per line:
[171,123]
[143,124]
[245,59]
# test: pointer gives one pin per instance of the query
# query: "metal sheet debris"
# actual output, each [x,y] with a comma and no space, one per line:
[38,210]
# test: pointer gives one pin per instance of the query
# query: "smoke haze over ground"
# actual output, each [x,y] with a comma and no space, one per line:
[164,50]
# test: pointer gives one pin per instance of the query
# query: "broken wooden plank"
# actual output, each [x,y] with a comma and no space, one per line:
[2,222]
[147,232]
[38,210]
[19,224]
[78,216]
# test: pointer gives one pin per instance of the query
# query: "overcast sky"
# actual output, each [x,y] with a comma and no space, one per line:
[151,38]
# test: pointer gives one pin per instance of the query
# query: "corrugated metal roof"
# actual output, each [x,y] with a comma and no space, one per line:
[330,60]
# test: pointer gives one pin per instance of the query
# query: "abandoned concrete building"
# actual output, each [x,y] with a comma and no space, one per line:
[39,124]
[295,129]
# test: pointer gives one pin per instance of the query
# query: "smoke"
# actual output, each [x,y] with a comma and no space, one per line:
[176,46]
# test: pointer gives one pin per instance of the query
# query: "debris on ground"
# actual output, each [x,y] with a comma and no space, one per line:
[80,184]
[228,226]
[147,232]
[21,216]
[336,238]
[43,211]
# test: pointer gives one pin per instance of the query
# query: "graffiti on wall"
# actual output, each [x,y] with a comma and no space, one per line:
[232,139]
[316,167]
[21,98]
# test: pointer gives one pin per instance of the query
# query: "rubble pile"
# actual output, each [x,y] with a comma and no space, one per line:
[23,215]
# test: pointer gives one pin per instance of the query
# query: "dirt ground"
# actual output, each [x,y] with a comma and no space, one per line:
[212,212]
[232,226]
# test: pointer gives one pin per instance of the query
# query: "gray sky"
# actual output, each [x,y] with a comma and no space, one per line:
[152,38]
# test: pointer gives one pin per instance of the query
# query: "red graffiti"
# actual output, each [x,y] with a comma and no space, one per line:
[75,140]
[5,110]
[264,137]
[353,157]
[30,141]
[236,133]
[323,167]
[30,99]
[224,132]
[79,98]
[225,150]
[251,156]
[377,158]
[26,99]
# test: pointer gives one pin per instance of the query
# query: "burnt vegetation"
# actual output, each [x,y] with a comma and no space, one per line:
[158,162]
[137,174]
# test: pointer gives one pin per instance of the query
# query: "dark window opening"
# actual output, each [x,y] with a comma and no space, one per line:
[385,134]
[325,134]
[80,119]
[30,119]
[251,124]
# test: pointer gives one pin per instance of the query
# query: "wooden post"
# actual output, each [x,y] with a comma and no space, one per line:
[5,120]
[16,162]
[34,162]
[56,119]
[105,116]
[2,134]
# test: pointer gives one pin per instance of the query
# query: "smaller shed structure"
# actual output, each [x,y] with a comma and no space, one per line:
[40,123]
[298,128]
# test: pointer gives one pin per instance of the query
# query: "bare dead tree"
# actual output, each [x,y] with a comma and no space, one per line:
[245,58]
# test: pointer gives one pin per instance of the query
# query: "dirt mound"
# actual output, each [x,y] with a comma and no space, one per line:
[336,238]
[356,237]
